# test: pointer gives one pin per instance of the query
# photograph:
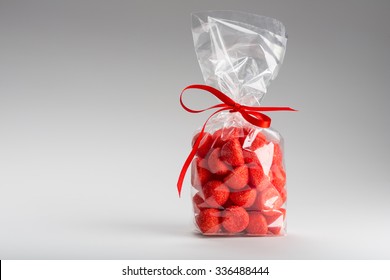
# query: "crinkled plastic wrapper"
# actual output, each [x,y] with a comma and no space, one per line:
[238,175]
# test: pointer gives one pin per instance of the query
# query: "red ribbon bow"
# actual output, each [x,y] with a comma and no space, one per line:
[249,113]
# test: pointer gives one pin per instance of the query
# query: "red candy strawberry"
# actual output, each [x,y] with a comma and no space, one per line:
[278,177]
[268,199]
[245,132]
[244,198]
[231,177]
[200,174]
[263,184]
[238,178]
[232,153]
[257,177]
[257,224]
[235,219]
[278,155]
[250,158]
[283,194]
[198,203]
[258,142]
[223,135]
[208,220]
[217,141]
[215,193]
[216,165]
[205,144]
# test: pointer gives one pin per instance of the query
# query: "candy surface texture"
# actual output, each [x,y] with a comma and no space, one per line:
[242,197]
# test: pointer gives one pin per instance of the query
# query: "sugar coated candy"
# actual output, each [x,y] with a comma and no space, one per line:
[243,196]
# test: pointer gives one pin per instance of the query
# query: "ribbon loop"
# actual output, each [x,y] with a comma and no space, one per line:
[250,113]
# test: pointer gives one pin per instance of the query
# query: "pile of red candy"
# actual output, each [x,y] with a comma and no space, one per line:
[239,179]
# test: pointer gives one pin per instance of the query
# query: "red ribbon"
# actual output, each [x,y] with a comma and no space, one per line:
[250,113]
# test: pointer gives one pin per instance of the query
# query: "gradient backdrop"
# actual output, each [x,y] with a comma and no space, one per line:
[92,136]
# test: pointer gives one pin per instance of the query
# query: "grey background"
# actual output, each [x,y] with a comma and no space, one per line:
[92,137]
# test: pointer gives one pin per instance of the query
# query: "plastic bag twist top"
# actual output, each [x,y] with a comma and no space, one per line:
[239,53]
